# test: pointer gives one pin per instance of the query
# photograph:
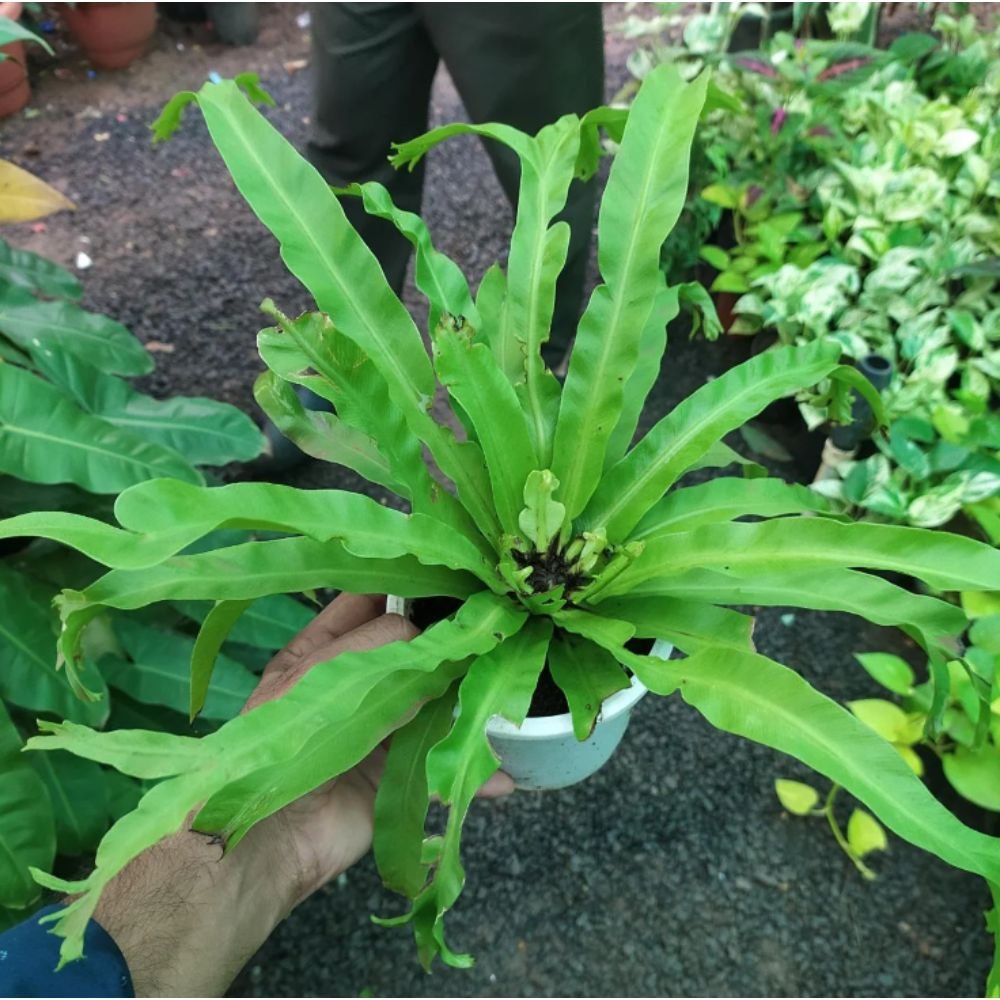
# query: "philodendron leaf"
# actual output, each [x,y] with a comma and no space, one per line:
[891,671]
[498,683]
[46,438]
[402,799]
[36,273]
[159,672]
[203,431]
[975,775]
[256,763]
[865,834]
[761,700]
[28,675]
[41,327]
[24,197]
[646,190]
[439,278]
[325,253]
[78,792]
[587,675]
[27,826]
[683,436]
[796,797]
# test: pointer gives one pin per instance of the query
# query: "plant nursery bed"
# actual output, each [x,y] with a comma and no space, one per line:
[674,870]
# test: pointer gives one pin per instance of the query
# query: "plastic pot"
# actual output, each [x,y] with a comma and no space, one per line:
[15,91]
[112,35]
[542,753]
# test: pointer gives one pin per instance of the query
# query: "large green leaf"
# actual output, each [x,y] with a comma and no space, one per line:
[166,516]
[203,431]
[725,499]
[38,327]
[689,625]
[212,635]
[439,278]
[232,811]
[537,254]
[310,352]
[586,675]
[402,800]
[256,569]
[471,376]
[652,344]
[646,191]
[46,438]
[27,827]
[37,274]
[498,683]
[761,700]
[78,792]
[28,675]
[158,672]
[325,253]
[944,560]
[324,724]
[689,431]
[828,589]
[324,435]
[363,525]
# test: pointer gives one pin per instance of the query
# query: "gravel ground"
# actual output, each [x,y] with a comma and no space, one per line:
[674,870]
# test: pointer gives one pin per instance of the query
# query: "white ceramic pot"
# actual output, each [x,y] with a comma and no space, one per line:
[542,753]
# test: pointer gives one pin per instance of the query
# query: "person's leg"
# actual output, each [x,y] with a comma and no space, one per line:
[373,66]
[526,65]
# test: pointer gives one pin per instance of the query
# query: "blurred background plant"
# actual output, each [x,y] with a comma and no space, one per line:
[849,192]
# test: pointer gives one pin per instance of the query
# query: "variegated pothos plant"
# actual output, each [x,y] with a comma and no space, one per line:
[562,538]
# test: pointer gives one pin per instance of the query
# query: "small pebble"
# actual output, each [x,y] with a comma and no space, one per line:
[83,261]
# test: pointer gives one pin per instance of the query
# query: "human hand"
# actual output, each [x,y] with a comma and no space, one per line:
[186,917]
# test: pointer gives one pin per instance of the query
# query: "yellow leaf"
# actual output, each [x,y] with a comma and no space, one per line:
[796,797]
[912,758]
[886,718]
[23,197]
[865,834]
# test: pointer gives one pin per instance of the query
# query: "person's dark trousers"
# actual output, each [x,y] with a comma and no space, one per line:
[524,64]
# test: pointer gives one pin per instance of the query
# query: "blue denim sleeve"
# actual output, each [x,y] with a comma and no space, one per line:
[29,954]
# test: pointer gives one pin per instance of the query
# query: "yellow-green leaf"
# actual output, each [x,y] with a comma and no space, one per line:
[24,197]
[796,797]
[888,720]
[865,834]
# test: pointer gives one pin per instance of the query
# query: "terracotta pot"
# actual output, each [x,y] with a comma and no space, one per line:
[15,91]
[112,35]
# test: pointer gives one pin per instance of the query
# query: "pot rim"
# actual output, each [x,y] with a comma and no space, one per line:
[545,727]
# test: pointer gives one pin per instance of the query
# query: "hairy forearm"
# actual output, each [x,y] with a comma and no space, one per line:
[187,918]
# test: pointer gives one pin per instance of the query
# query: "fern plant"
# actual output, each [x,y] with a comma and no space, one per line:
[540,516]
